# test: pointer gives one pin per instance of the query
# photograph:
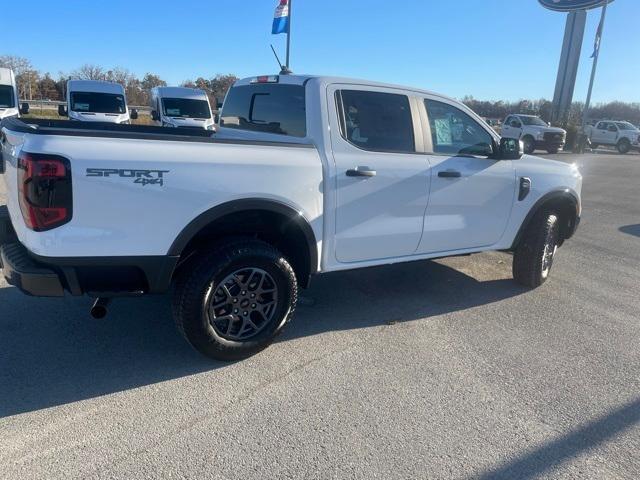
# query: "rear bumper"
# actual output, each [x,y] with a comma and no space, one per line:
[93,276]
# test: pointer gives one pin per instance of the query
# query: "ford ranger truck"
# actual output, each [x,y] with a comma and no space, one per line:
[306,175]
[621,135]
[534,132]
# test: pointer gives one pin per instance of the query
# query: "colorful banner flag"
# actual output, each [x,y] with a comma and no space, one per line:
[281,18]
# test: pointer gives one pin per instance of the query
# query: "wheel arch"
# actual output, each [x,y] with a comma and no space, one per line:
[565,202]
[271,220]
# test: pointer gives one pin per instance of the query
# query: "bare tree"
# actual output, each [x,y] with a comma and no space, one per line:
[89,72]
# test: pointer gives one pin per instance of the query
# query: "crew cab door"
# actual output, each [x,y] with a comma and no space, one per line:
[382,183]
[605,133]
[512,127]
[471,194]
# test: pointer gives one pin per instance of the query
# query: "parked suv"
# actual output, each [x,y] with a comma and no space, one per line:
[534,132]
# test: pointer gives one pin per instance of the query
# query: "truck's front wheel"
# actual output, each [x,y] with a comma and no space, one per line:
[231,302]
[533,257]
[624,146]
[529,144]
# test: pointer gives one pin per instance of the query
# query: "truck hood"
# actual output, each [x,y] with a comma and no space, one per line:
[530,165]
[8,112]
[99,117]
[188,122]
[537,129]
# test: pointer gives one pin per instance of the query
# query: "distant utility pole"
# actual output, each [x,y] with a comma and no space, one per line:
[596,54]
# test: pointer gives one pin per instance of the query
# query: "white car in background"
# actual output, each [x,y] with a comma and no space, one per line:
[9,95]
[181,107]
[621,135]
[534,132]
[96,101]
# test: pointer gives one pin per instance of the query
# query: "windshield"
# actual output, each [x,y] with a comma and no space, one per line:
[97,102]
[7,100]
[185,107]
[625,126]
[533,121]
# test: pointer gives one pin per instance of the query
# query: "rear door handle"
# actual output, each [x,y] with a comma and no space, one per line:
[361,172]
[449,174]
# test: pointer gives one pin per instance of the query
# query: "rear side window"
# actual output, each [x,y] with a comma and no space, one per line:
[376,121]
[268,108]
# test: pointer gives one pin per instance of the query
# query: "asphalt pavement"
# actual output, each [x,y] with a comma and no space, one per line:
[437,369]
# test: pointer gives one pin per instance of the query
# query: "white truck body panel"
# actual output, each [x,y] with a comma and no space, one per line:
[611,133]
[406,212]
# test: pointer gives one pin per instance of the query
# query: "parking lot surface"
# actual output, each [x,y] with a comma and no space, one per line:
[436,369]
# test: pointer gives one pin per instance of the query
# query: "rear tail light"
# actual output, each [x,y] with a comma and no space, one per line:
[44,190]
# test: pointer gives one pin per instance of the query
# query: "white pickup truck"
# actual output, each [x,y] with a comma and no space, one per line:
[621,135]
[307,175]
[534,132]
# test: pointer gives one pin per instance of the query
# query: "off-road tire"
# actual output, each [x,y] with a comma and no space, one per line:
[623,146]
[529,144]
[540,238]
[197,281]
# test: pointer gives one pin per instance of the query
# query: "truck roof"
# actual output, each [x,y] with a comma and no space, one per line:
[97,86]
[181,92]
[327,80]
[6,76]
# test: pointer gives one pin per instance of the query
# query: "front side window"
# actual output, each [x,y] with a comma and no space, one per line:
[186,108]
[7,99]
[268,108]
[377,121]
[454,132]
[625,126]
[97,102]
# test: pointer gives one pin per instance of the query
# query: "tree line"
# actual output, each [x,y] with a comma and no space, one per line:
[543,108]
[35,85]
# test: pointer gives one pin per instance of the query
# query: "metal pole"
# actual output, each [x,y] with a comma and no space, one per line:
[289,35]
[585,114]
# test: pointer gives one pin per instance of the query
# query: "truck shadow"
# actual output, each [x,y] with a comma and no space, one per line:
[631,229]
[52,353]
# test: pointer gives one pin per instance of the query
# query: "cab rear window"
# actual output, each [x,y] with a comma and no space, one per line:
[267,108]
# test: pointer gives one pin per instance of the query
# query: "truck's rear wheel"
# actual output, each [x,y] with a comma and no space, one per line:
[529,144]
[231,302]
[533,258]
[624,146]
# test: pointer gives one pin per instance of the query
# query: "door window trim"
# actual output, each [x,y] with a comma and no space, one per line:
[417,133]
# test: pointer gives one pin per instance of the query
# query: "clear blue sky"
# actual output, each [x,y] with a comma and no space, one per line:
[491,49]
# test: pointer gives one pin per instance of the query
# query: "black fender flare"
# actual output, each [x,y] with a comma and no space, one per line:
[558,194]
[235,206]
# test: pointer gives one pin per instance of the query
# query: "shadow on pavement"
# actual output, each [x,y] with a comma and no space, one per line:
[53,353]
[537,462]
[631,229]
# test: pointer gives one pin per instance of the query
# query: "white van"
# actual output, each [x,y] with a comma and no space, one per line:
[181,107]
[9,95]
[96,101]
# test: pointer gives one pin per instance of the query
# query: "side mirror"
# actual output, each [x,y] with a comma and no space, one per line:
[133,114]
[62,110]
[219,106]
[216,118]
[154,116]
[510,149]
[24,109]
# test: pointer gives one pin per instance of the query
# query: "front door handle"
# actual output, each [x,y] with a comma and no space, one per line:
[361,172]
[449,174]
